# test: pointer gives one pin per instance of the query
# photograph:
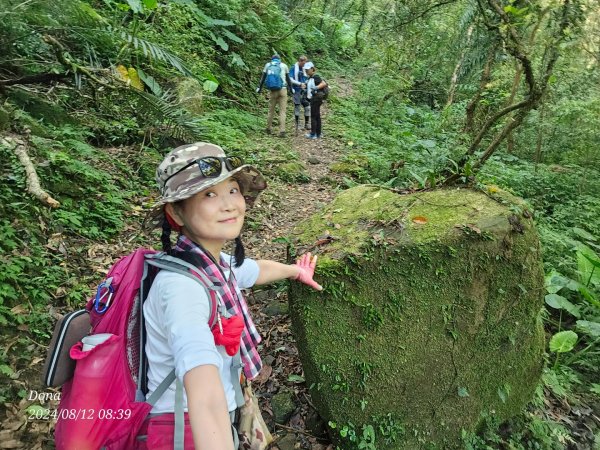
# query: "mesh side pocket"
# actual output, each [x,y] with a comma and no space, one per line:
[133,339]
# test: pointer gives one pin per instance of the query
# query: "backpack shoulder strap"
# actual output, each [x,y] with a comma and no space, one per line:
[162,261]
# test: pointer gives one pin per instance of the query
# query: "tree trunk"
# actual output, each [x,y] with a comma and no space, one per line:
[540,136]
[363,18]
[510,142]
[485,79]
[454,80]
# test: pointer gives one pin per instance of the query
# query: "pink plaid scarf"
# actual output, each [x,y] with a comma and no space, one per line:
[234,301]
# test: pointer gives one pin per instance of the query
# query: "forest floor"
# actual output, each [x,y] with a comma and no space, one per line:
[282,375]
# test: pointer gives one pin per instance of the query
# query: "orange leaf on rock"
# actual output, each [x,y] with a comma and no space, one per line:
[419,220]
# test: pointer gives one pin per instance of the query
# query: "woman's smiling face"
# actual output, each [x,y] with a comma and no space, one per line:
[212,216]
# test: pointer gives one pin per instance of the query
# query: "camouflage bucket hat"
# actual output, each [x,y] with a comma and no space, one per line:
[182,174]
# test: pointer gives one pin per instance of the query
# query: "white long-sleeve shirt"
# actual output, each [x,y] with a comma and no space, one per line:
[178,336]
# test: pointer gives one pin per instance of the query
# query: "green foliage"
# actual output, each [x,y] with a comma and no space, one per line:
[381,433]
[403,144]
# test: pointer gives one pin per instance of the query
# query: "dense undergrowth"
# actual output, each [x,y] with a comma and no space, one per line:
[129,80]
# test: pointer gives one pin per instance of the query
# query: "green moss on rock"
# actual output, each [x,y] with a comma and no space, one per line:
[354,165]
[430,312]
[4,119]
[190,95]
[293,172]
[41,109]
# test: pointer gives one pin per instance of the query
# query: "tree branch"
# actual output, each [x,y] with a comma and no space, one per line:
[33,79]
[415,17]
[491,121]
[287,34]
[32,179]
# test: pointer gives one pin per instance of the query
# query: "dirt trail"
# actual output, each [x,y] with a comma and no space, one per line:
[287,205]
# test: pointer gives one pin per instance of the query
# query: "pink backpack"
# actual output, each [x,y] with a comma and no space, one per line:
[104,405]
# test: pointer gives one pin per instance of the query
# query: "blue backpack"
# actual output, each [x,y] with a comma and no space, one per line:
[274,82]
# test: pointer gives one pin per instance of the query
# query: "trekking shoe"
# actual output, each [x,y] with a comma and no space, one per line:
[310,136]
[282,134]
[306,126]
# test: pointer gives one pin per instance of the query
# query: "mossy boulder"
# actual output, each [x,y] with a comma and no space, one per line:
[354,164]
[430,317]
[293,172]
[41,109]
[190,95]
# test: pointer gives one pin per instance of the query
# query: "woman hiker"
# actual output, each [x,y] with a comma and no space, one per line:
[315,90]
[203,199]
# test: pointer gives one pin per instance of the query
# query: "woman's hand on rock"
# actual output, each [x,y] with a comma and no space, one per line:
[306,269]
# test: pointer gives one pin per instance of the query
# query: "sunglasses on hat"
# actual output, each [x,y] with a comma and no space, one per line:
[212,166]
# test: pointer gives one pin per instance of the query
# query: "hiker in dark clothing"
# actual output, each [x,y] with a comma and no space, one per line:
[316,92]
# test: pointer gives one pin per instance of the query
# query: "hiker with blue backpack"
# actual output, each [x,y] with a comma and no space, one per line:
[317,91]
[171,332]
[276,80]
[298,79]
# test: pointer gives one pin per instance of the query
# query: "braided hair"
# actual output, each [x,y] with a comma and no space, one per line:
[165,237]
[239,253]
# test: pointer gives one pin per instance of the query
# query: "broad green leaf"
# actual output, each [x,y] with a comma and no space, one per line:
[589,295]
[228,34]
[221,43]
[583,234]
[210,86]
[559,302]
[150,82]
[595,262]
[221,23]
[135,5]
[237,60]
[554,282]
[150,4]
[504,392]
[210,76]
[588,264]
[590,328]
[554,300]
[296,379]
[563,341]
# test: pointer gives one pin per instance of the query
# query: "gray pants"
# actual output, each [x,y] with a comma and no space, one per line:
[298,105]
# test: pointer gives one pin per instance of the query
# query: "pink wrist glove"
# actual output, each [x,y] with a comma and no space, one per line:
[307,264]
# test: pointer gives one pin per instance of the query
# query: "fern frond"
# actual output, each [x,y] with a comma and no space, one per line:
[179,123]
[154,51]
